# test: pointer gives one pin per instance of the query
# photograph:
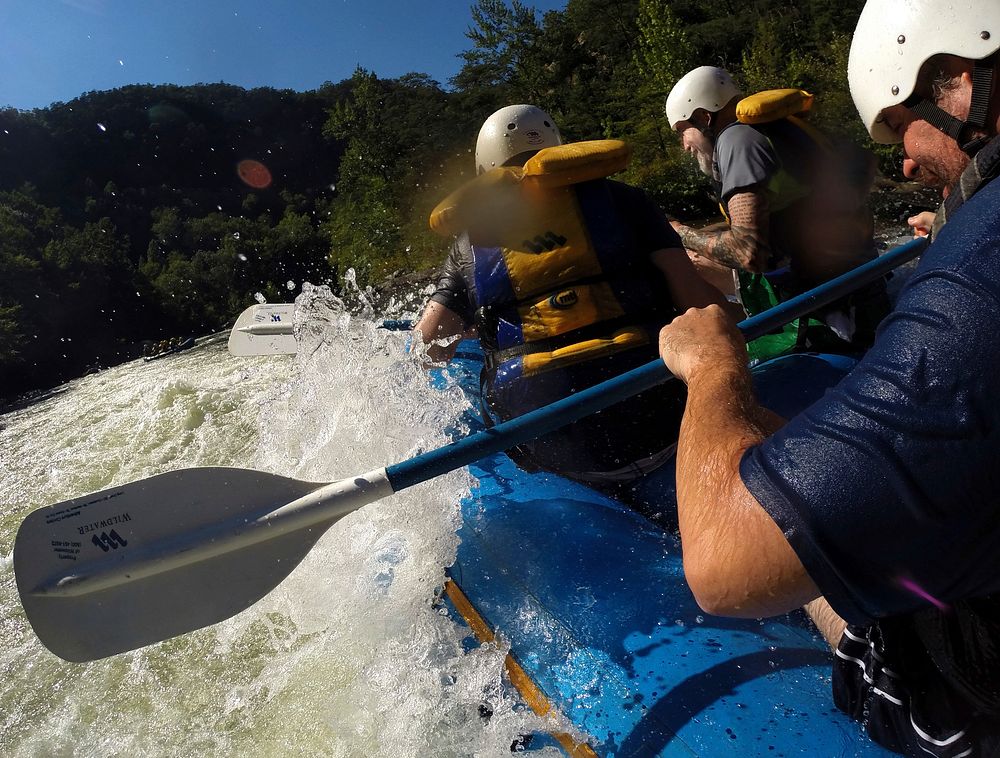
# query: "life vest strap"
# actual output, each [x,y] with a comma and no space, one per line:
[600,330]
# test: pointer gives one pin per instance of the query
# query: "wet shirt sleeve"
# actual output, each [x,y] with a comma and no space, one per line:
[744,158]
[453,285]
[888,488]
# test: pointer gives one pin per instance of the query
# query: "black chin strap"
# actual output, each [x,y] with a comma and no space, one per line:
[961,131]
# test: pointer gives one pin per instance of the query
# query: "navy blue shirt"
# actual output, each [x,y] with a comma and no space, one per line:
[888,488]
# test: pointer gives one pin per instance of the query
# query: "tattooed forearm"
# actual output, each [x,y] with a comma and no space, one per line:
[745,245]
[738,247]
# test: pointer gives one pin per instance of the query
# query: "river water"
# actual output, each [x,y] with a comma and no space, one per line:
[348,656]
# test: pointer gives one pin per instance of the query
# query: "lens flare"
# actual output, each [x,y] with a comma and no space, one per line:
[254,174]
[920,592]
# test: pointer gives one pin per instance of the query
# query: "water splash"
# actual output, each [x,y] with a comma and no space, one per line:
[348,656]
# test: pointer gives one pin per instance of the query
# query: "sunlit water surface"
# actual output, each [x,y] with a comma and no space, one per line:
[348,656]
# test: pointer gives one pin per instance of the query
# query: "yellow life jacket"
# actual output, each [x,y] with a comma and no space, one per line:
[558,279]
[773,104]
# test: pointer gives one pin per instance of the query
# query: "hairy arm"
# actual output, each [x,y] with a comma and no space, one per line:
[745,244]
[736,559]
[439,324]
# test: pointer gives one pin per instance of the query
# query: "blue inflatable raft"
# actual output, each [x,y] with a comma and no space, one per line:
[604,630]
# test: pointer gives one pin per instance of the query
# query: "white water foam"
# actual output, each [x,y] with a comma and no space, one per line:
[347,657]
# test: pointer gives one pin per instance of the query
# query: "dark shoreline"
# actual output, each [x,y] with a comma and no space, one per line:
[892,203]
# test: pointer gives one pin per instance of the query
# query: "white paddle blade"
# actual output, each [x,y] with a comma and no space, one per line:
[167,545]
[264,330]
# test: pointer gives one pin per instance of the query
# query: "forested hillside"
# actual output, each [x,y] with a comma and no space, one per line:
[153,211]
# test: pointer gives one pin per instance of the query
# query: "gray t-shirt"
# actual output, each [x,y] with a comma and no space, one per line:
[746,156]
[743,158]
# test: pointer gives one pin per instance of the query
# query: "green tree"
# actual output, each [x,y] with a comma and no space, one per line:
[502,67]
[364,225]
[399,134]
[663,52]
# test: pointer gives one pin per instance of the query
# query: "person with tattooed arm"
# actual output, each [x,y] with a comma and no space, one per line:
[795,204]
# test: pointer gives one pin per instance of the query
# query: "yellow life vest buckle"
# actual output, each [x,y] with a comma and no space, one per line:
[564,300]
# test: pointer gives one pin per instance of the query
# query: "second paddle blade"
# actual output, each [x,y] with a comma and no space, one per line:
[264,330]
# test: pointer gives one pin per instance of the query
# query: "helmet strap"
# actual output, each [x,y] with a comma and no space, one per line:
[706,127]
[961,131]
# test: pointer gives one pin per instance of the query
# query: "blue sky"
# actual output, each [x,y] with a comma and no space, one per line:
[55,50]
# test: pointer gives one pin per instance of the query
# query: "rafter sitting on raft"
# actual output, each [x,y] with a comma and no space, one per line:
[567,277]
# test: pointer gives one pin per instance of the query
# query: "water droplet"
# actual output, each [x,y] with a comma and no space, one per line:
[241,256]
[102,127]
[236,235]
[290,284]
[259,297]
[699,619]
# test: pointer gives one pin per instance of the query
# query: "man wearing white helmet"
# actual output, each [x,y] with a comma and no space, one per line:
[788,200]
[567,279]
[513,134]
[878,506]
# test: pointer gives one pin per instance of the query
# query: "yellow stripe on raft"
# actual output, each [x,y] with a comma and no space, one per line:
[530,691]
[623,339]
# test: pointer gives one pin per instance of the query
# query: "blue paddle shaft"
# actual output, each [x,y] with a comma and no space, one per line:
[543,420]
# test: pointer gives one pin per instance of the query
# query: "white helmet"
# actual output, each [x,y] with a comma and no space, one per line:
[894,38]
[512,131]
[705,87]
